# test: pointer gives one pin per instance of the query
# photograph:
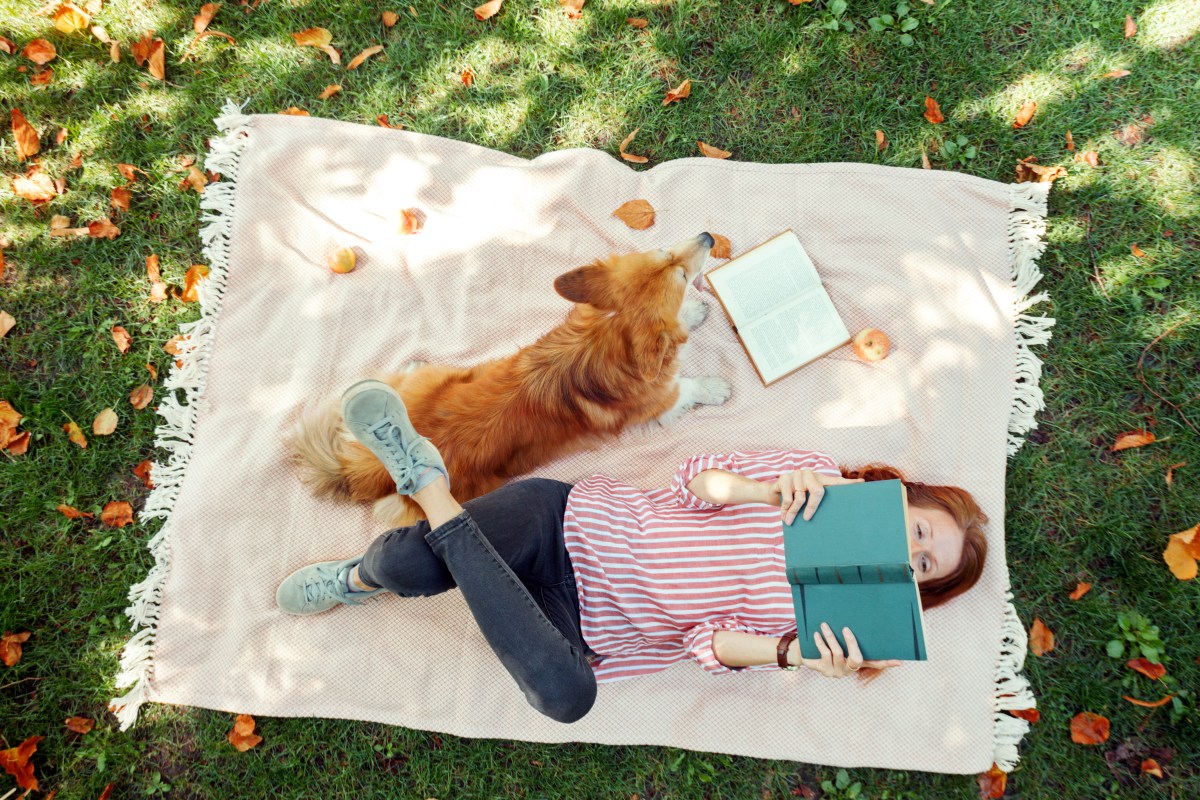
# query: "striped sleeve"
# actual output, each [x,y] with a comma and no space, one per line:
[760,466]
[698,641]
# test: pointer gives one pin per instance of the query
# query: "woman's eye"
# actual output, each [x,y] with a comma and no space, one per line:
[924,566]
[920,532]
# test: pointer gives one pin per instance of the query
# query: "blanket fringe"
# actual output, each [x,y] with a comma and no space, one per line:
[175,434]
[1026,227]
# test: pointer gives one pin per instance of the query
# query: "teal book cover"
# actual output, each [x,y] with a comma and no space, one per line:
[849,566]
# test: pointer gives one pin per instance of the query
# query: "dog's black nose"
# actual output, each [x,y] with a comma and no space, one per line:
[707,238]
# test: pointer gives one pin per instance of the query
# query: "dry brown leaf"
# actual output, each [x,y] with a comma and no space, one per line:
[467,76]
[574,8]
[153,371]
[107,791]
[637,22]
[105,423]
[129,172]
[39,51]
[42,78]
[140,397]
[73,513]
[329,91]
[1162,701]
[120,198]
[197,180]
[10,647]
[357,61]
[1025,114]
[7,321]
[191,283]
[1089,728]
[36,187]
[1138,438]
[1028,170]
[1149,765]
[142,471]
[391,17]
[1137,251]
[114,52]
[382,119]
[291,111]
[679,92]
[1041,638]
[15,760]
[1130,31]
[708,151]
[1146,667]
[1089,157]
[412,220]
[1080,590]
[207,12]
[637,214]
[26,136]
[721,247]
[8,46]
[992,782]
[1183,549]
[142,48]
[334,54]
[172,345]
[313,37]
[933,111]
[122,338]
[75,434]
[1170,476]
[1116,73]
[1031,715]
[103,229]
[1070,142]
[69,18]
[881,142]
[204,35]
[243,737]
[152,270]
[79,724]
[157,60]
[925,158]
[630,156]
[488,9]
[117,514]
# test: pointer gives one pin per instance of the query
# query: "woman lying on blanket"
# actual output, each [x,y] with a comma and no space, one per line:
[599,581]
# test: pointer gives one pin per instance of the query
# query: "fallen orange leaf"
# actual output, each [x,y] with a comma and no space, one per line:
[1080,590]
[142,470]
[152,271]
[122,338]
[75,434]
[36,187]
[68,18]
[881,142]
[10,647]
[104,423]
[1027,714]
[243,737]
[1138,438]
[721,247]
[992,782]
[73,513]
[153,371]
[1070,142]
[382,119]
[117,514]
[679,92]
[1089,728]
[291,111]
[103,229]
[712,152]
[1149,765]
[40,52]
[1137,251]
[157,66]
[1170,477]
[637,22]
[207,12]
[15,761]
[488,9]
[172,346]
[1025,114]
[637,214]
[933,111]
[1148,668]
[121,198]
[26,136]
[1089,157]
[1160,702]
[357,61]
[391,17]
[630,156]
[313,37]
[197,180]
[329,91]
[1028,170]
[42,78]
[467,76]
[8,46]
[1183,549]
[106,792]
[7,321]
[140,397]
[1130,30]
[1041,638]
[574,8]
[79,724]
[412,220]
[129,172]
[1116,73]
[191,283]
[926,165]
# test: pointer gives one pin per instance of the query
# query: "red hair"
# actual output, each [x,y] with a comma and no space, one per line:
[960,505]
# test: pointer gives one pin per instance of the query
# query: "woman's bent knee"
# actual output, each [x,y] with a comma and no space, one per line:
[569,702]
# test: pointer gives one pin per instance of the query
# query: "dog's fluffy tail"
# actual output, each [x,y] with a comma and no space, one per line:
[318,447]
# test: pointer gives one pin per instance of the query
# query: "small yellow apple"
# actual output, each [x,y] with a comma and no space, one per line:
[871,344]
[342,260]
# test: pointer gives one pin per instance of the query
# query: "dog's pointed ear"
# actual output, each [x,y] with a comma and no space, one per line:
[587,284]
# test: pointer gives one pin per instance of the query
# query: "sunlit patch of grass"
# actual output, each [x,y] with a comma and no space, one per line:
[1168,24]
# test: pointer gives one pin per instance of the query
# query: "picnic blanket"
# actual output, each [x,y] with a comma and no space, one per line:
[943,262]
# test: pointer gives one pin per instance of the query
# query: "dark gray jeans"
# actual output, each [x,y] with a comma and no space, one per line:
[505,552]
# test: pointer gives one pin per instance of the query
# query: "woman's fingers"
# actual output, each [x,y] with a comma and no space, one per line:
[854,659]
[881,664]
[815,492]
[835,647]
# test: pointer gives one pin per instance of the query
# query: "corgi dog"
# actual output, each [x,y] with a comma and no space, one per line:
[612,364]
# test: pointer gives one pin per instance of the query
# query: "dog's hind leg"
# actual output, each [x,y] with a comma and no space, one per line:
[696,392]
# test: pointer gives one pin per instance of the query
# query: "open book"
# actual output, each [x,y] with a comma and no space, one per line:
[777,306]
[849,566]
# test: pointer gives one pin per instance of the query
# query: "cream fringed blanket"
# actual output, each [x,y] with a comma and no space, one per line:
[942,262]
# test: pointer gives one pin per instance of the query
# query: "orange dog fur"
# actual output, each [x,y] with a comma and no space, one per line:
[611,364]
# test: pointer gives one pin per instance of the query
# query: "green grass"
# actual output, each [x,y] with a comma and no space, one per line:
[767,84]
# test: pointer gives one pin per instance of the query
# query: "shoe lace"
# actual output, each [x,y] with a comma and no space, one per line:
[404,469]
[329,582]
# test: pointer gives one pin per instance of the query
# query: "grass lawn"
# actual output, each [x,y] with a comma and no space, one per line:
[769,84]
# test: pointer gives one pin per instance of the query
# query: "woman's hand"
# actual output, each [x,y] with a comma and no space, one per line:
[793,487]
[833,663]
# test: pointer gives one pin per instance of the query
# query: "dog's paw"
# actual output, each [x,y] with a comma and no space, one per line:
[711,391]
[692,313]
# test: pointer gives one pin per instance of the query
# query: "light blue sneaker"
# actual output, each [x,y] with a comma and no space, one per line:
[319,587]
[376,416]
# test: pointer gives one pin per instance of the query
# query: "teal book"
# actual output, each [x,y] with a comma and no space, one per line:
[849,566]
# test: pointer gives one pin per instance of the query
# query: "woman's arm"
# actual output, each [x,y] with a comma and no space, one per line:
[737,649]
[727,488]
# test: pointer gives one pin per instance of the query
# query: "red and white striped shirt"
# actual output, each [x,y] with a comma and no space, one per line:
[658,572]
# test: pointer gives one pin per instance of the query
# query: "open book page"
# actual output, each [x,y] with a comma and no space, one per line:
[793,334]
[776,272]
